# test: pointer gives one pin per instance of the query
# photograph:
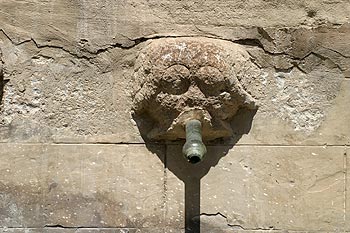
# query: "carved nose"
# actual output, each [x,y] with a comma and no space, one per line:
[194,96]
[194,92]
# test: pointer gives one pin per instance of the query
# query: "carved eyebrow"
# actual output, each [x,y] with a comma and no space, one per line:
[179,64]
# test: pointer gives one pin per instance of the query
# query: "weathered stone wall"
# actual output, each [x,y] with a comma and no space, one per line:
[72,158]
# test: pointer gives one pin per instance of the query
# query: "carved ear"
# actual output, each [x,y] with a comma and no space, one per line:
[144,95]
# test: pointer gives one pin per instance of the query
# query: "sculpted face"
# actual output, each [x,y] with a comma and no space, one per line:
[177,79]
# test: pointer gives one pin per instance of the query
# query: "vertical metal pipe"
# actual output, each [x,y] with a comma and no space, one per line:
[194,148]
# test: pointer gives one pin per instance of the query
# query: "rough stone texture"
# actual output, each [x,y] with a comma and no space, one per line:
[144,230]
[66,76]
[310,120]
[72,186]
[262,187]
[70,80]
[39,79]
[68,24]
[54,94]
[1,79]
[21,190]
[191,78]
[73,230]
[347,196]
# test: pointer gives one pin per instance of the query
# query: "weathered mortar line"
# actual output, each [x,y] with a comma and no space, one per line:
[240,227]
[345,183]
[299,60]
[254,42]
[99,51]
[68,227]
[259,229]
[137,41]
[3,32]
[333,50]
[59,47]
[128,228]
[43,46]
[59,226]
[173,144]
[323,58]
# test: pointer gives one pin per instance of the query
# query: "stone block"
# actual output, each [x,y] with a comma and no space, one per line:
[54,96]
[81,186]
[263,187]
[115,22]
[300,118]
[104,186]
[21,190]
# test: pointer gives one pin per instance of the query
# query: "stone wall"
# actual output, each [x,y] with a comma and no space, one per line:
[72,158]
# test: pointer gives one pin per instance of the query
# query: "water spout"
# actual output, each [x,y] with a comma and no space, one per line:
[194,148]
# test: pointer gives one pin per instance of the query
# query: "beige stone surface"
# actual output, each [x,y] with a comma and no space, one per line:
[21,189]
[144,230]
[70,81]
[347,196]
[36,230]
[53,96]
[304,121]
[290,188]
[81,185]
[88,230]
[66,76]
[71,25]
[70,230]
[91,230]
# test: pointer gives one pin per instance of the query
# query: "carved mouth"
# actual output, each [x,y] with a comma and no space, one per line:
[212,128]
[192,113]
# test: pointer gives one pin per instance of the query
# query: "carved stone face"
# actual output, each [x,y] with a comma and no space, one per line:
[177,79]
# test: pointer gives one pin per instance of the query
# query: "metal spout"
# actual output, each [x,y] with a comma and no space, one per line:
[194,148]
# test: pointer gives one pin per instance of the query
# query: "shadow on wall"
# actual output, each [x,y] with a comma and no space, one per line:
[2,82]
[191,174]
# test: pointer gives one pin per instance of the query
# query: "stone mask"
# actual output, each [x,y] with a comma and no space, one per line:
[177,79]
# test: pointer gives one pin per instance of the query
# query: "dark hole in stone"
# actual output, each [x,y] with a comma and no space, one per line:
[311,13]
[194,159]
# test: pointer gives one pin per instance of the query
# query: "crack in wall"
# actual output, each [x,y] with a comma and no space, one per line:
[239,226]
[59,226]
[250,42]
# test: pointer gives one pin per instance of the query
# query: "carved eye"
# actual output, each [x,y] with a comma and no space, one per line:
[175,80]
[211,81]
